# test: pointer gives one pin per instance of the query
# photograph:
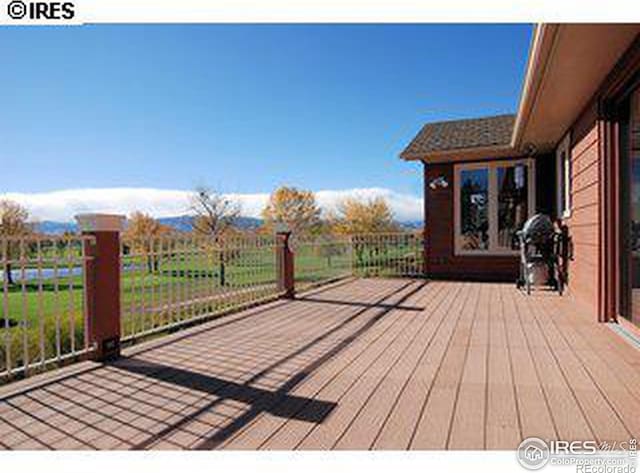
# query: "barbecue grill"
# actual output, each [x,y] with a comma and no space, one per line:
[540,245]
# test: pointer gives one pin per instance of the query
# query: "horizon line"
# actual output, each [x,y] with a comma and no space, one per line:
[62,205]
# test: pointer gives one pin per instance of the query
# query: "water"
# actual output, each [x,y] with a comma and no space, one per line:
[32,274]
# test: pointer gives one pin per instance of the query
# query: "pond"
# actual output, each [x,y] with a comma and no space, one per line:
[33,274]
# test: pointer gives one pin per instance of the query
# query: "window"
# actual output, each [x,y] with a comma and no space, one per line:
[513,202]
[563,172]
[634,151]
[492,202]
[474,193]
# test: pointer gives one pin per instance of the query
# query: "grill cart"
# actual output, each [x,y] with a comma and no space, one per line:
[541,247]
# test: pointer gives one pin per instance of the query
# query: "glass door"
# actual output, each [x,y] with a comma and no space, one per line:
[631,148]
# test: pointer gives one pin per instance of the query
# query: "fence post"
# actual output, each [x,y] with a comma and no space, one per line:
[350,252]
[102,276]
[284,264]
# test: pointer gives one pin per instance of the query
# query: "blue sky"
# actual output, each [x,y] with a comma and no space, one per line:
[243,108]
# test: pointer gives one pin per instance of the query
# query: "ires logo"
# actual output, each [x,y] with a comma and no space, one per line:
[19,10]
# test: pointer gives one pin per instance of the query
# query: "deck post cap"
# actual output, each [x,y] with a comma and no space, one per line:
[95,222]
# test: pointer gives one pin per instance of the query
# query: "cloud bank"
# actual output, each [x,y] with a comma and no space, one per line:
[63,205]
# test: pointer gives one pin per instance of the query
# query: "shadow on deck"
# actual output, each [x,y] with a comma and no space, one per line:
[373,363]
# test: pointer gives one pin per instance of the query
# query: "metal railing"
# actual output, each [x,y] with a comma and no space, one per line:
[387,254]
[53,288]
[43,303]
[168,281]
[321,259]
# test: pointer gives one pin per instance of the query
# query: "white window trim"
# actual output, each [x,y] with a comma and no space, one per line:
[563,146]
[492,166]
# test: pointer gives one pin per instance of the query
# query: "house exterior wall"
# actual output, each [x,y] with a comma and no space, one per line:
[596,272]
[584,221]
[598,208]
[440,258]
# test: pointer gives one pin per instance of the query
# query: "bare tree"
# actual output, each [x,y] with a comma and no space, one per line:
[214,216]
[213,212]
[14,222]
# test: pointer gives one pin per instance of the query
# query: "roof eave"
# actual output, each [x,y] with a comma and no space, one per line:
[461,154]
[542,42]
[559,82]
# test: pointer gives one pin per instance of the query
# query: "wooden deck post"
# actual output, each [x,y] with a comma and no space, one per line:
[285,265]
[102,276]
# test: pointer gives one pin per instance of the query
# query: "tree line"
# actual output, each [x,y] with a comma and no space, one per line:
[215,216]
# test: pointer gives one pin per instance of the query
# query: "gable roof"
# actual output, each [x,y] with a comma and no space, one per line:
[458,135]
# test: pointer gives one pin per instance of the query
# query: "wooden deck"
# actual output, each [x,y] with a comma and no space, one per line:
[370,364]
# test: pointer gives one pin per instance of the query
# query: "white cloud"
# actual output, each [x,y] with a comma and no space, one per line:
[63,205]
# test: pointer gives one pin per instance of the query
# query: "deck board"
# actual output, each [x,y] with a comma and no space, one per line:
[399,428]
[434,426]
[534,416]
[280,432]
[566,412]
[469,420]
[362,433]
[367,364]
[502,428]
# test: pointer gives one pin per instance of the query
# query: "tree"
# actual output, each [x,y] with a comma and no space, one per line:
[142,233]
[14,222]
[214,214]
[215,217]
[370,216]
[294,208]
[356,217]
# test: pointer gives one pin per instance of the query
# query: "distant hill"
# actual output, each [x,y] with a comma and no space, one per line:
[184,222]
[180,223]
[412,224]
[56,228]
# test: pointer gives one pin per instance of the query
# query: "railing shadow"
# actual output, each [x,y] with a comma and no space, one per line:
[361,304]
[142,401]
[259,400]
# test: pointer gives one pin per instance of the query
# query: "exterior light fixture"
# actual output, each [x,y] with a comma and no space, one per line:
[438,183]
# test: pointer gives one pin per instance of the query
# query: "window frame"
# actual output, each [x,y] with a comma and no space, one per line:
[564,177]
[492,190]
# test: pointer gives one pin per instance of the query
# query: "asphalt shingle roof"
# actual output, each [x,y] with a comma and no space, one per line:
[461,134]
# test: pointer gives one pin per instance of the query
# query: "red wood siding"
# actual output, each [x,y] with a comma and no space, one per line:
[441,262]
[584,221]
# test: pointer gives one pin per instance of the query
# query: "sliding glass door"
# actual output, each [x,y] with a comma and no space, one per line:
[630,148]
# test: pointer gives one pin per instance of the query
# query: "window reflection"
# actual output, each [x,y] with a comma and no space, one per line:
[474,202]
[513,206]
[635,172]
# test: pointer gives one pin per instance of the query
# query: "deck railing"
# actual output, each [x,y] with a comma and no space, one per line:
[321,259]
[387,254]
[169,281]
[43,304]
[58,293]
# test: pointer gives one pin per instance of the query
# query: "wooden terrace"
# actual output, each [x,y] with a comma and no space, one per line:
[362,364]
